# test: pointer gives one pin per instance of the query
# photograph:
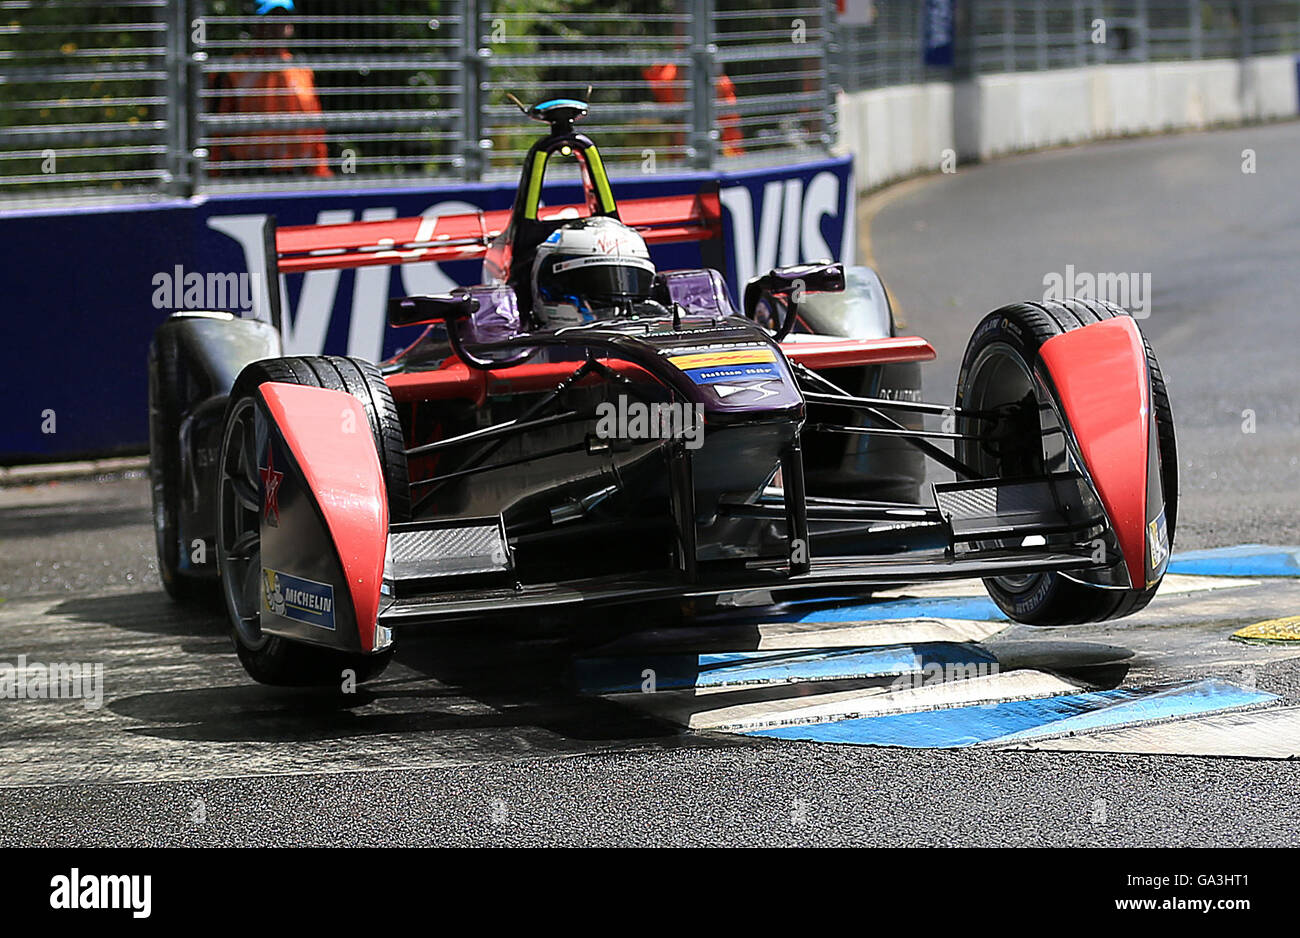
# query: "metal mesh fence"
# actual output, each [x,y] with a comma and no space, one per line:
[1274,27]
[84,95]
[233,95]
[364,90]
[144,98]
[1028,35]
[776,65]
[886,50]
[634,54]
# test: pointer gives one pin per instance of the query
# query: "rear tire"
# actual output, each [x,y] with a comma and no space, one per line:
[271,659]
[1054,598]
[165,475]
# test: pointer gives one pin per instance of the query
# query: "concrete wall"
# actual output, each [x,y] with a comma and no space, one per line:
[895,132]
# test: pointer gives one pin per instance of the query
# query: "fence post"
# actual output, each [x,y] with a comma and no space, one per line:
[179,180]
[1040,35]
[912,68]
[966,53]
[1194,28]
[703,63]
[1143,11]
[194,60]
[1008,36]
[831,77]
[471,103]
[1246,19]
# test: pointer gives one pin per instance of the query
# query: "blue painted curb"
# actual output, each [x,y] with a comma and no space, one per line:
[1242,560]
[975,608]
[1028,719]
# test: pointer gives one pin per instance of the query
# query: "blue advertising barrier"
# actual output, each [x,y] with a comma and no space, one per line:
[940,44]
[84,289]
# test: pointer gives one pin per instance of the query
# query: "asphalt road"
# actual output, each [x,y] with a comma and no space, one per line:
[470,740]
[1221,248]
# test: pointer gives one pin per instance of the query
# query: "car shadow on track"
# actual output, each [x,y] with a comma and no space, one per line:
[494,690]
[200,627]
[394,708]
[76,517]
[506,688]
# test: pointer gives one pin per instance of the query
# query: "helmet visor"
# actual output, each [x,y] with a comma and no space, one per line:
[599,280]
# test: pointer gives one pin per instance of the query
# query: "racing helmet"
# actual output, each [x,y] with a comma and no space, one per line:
[588,269]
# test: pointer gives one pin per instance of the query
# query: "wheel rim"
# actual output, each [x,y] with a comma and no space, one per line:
[239,553]
[999,377]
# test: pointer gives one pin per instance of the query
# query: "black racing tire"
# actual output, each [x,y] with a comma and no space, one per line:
[1052,599]
[271,659]
[165,476]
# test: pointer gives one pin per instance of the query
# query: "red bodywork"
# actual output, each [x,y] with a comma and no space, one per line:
[329,436]
[466,237]
[342,470]
[1100,375]
[458,380]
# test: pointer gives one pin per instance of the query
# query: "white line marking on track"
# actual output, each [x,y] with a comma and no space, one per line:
[717,712]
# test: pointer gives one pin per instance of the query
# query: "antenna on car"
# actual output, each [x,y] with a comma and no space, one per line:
[560,113]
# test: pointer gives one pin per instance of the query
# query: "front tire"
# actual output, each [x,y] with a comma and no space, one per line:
[994,374]
[271,659]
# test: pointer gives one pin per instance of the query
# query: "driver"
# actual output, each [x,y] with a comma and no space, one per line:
[590,269]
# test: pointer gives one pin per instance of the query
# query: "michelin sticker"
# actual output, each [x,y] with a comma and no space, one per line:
[1158,546]
[299,599]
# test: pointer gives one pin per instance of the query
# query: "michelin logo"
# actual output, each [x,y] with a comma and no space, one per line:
[1158,547]
[299,599]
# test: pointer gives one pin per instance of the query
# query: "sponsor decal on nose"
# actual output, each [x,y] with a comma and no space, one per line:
[298,598]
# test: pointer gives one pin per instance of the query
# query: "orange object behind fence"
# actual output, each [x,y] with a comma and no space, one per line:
[663,85]
[286,90]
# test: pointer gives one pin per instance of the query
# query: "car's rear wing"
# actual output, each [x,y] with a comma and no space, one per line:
[300,248]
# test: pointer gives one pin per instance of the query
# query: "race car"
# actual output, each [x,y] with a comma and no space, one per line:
[583,431]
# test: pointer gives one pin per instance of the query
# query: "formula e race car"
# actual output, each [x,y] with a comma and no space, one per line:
[583,431]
